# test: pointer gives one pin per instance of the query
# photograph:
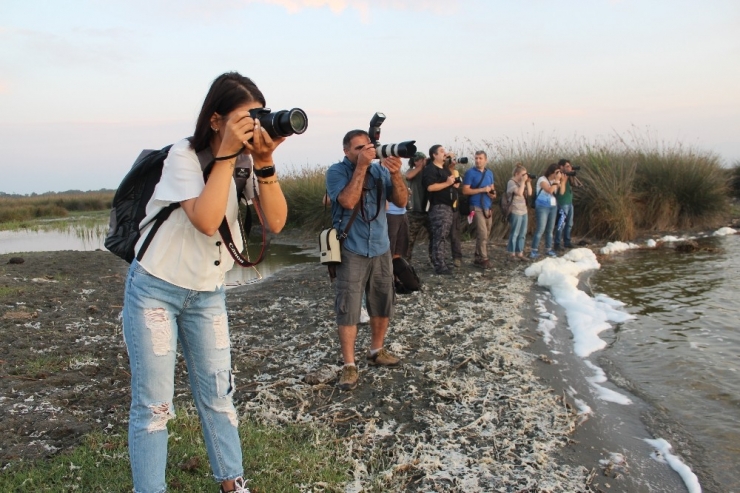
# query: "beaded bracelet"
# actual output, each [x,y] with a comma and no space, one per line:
[267,182]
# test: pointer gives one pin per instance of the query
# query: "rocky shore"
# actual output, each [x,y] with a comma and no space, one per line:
[466,412]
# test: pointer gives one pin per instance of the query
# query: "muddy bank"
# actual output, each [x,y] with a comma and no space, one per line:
[465,413]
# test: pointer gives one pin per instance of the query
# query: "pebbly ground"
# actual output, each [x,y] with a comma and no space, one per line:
[468,411]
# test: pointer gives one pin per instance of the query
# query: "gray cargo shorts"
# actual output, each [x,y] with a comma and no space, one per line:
[374,276]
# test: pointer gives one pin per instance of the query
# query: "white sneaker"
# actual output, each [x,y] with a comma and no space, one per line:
[364,317]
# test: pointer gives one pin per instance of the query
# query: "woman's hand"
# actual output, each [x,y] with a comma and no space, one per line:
[234,133]
[262,145]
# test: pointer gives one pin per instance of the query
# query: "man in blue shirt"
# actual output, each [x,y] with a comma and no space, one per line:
[366,258]
[478,184]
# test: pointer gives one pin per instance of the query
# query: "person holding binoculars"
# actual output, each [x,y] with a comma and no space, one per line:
[565,203]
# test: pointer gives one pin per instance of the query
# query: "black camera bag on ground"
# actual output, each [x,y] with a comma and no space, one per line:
[405,277]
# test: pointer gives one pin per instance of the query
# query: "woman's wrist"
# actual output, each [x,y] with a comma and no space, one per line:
[263,164]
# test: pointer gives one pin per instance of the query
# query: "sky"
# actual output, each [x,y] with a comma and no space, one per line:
[86,85]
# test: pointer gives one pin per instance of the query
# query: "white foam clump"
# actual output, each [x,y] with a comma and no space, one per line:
[602,392]
[617,246]
[664,454]
[587,316]
[724,232]
[670,238]
[651,243]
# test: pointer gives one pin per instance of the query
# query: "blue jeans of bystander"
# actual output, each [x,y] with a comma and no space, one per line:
[545,217]
[517,233]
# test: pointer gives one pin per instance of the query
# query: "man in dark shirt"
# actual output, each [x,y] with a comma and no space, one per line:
[417,214]
[437,180]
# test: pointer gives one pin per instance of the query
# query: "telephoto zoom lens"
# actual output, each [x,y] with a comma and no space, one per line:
[462,160]
[404,149]
[284,123]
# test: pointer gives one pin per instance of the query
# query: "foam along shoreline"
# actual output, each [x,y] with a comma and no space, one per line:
[587,317]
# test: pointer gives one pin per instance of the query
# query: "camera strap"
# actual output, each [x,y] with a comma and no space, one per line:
[379,189]
[241,180]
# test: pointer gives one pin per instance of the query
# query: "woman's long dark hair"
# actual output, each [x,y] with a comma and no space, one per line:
[228,91]
[551,168]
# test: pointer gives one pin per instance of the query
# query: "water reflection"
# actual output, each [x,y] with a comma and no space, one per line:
[89,238]
[682,349]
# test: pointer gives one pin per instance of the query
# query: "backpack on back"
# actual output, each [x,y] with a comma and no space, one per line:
[130,201]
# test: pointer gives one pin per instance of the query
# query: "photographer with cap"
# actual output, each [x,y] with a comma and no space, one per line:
[366,266]
[478,184]
[417,216]
[455,240]
[564,198]
[437,181]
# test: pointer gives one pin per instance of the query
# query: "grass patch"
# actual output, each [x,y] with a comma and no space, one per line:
[275,459]
[40,367]
[7,292]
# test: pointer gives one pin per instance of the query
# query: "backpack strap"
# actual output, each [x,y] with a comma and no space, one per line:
[159,219]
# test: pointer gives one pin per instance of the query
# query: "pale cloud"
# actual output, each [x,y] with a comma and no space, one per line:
[364,6]
[4,87]
[78,47]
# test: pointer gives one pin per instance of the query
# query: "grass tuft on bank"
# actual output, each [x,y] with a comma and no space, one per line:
[275,459]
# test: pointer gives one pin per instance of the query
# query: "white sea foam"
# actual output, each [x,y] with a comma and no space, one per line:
[663,454]
[587,316]
[617,246]
[602,392]
[724,232]
[670,238]
[651,243]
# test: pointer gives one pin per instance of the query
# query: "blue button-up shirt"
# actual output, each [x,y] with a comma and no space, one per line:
[368,239]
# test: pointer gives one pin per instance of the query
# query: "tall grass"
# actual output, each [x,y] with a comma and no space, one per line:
[304,191]
[52,205]
[631,184]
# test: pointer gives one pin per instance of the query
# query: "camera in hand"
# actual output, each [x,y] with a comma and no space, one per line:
[458,179]
[569,173]
[460,160]
[403,149]
[283,123]
[531,176]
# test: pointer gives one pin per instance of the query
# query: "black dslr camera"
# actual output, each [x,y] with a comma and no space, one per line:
[531,176]
[283,123]
[572,173]
[404,149]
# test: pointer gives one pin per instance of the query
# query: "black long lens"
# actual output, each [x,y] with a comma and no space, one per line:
[404,149]
[462,160]
[284,123]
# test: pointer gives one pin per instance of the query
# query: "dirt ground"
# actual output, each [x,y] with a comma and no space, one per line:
[465,413]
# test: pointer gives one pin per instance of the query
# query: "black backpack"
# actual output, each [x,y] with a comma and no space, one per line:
[405,277]
[133,194]
[129,205]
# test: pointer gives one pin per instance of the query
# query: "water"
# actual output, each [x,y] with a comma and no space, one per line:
[683,350]
[82,238]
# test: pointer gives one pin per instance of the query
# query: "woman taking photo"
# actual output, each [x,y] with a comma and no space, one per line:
[518,187]
[546,208]
[176,291]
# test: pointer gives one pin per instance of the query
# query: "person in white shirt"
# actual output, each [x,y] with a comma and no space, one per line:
[546,209]
[175,292]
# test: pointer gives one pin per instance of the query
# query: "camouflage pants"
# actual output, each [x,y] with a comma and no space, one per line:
[440,220]
[418,224]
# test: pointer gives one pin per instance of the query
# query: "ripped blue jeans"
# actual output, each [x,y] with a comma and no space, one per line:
[156,315]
